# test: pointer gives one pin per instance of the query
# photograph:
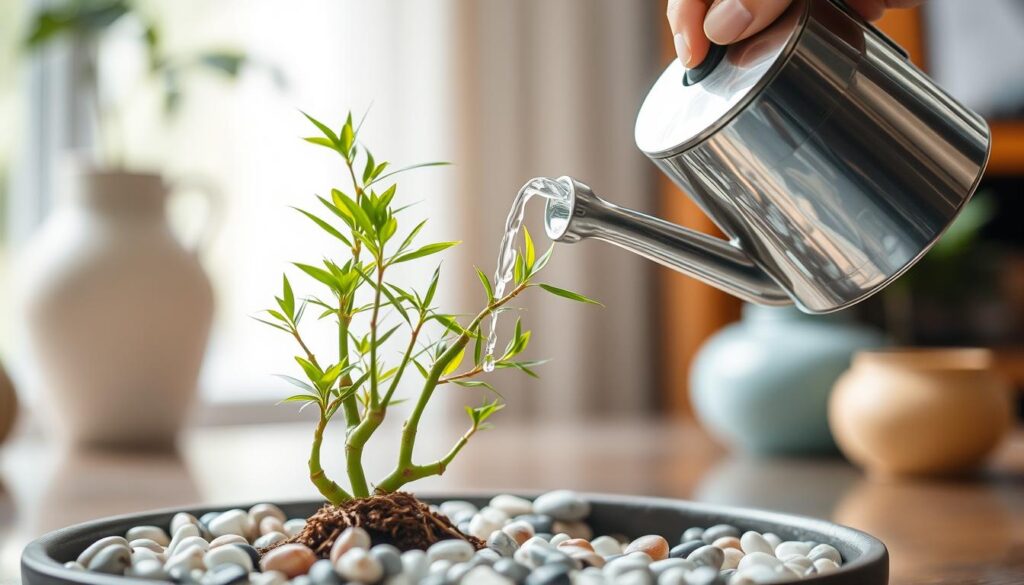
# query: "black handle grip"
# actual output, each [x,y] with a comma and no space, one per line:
[715,55]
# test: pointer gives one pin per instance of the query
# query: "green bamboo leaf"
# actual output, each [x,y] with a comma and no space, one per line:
[543,260]
[274,325]
[368,169]
[568,294]
[301,398]
[323,128]
[312,372]
[424,251]
[473,384]
[356,212]
[409,168]
[321,141]
[325,226]
[289,298]
[387,196]
[530,254]
[519,270]
[487,285]
[454,364]
[449,322]
[412,235]
[319,274]
[388,229]
[347,140]
[422,370]
[432,288]
[277,315]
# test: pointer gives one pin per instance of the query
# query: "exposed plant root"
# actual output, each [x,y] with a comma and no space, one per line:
[397,518]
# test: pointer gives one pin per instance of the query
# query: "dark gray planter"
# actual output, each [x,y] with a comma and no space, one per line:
[866,561]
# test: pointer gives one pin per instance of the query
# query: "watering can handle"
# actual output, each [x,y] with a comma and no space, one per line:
[717,262]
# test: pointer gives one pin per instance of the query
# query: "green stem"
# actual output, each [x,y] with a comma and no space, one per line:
[406,358]
[328,488]
[374,391]
[349,404]
[395,481]
[354,445]
[405,470]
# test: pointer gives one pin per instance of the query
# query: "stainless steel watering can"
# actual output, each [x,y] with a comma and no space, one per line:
[831,162]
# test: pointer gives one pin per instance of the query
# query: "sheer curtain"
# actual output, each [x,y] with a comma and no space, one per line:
[550,89]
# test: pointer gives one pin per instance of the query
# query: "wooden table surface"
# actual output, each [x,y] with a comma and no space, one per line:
[964,531]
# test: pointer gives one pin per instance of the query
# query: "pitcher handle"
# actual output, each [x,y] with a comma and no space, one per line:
[213,197]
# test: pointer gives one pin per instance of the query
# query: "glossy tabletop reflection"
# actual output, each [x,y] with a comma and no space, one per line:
[969,530]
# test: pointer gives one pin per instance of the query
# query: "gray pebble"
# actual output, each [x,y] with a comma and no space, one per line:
[673,576]
[707,556]
[457,571]
[322,573]
[456,551]
[250,550]
[301,580]
[415,564]
[545,536]
[389,557]
[659,567]
[461,516]
[562,505]
[463,526]
[511,569]
[228,555]
[549,575]
[112,559]
[694,533]
[719,531]
[435,579]
[635,577]
[502,543]
[269,539]
[681,551]
[557,557]
[540,522]
[487,556]
[624,565]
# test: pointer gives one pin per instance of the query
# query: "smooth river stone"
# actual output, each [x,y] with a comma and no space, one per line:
[232,522]
[707,556]
[502,543]
[453,507]
[825,551]
[360,566]
[260,511]
[702,576]
[825,566]
[731,558]
[228,539]
[225,555]
[694,533]
[792,547]
[549,575]
[323,573]
[728,542]
[673,576]
[389,557]
[269,539]
[140,554]
[718,531]
[456,551]
[415,564]
[112,559]
[154,533]
[268,578]
[564,505]
[352,537]
[147,569]
[270,524]
[512,505]
[606,546]
[575,528]
[681,551]
[519,530]
[147,544]
[758,559]
[539,522]
[485,576]
[99,545]
[659,567]
[291,559]
[752,542]
[294,526]
[182,563]
[184,531]
[653,545]
[181,519]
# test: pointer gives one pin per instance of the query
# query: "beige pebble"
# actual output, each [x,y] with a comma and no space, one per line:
[291,559]
[270,524]
[588,558]
[260,511]
[576,543]
[352,537]
[575,529]
[227,539]
[732,558]
[728,542]
[519,530]
[653,545]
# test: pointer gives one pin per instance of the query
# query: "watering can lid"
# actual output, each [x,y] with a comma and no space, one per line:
[686,106]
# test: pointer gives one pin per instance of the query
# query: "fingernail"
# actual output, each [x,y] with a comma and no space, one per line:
[682,49]
[726,21]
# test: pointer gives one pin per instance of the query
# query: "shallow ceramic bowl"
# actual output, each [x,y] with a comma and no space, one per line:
[866,561]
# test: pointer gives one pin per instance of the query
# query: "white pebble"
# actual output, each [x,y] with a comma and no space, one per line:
[232,522]
[512,505]
[260,511]
[752,542]
[147,569]
[154,533]
[439,567]
[97,546]
[74,566]
[268,578]
[146,544]
[143,554]
[798,561]
[190,541]
[732,558]
[559,538]
[269,539]
[825,566]
[415,564]
[181,519]
[358,565]
[228,539]
[484,575]
[482,527]
[456,551]
[182,563]
[754,574]
[606,546]
[773,539]
[294,526]
[673,576]
[455,507]
[758,559]
[792,547]
[228,555]
[184,531]
[352,537]
[825,551]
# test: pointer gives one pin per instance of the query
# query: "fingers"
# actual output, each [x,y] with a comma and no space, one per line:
[686,18]
[729,21]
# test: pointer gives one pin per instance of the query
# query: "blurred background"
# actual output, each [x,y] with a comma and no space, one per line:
[206,95]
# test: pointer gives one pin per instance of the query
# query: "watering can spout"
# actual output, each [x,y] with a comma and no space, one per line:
[577,213]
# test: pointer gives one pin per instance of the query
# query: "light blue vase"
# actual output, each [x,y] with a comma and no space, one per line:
[762,385]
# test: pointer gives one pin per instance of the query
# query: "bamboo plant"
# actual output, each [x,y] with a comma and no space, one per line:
[358,383]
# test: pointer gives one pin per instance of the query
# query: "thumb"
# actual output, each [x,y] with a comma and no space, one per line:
[729,21]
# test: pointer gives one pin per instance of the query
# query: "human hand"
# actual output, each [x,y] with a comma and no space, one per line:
[695,26]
